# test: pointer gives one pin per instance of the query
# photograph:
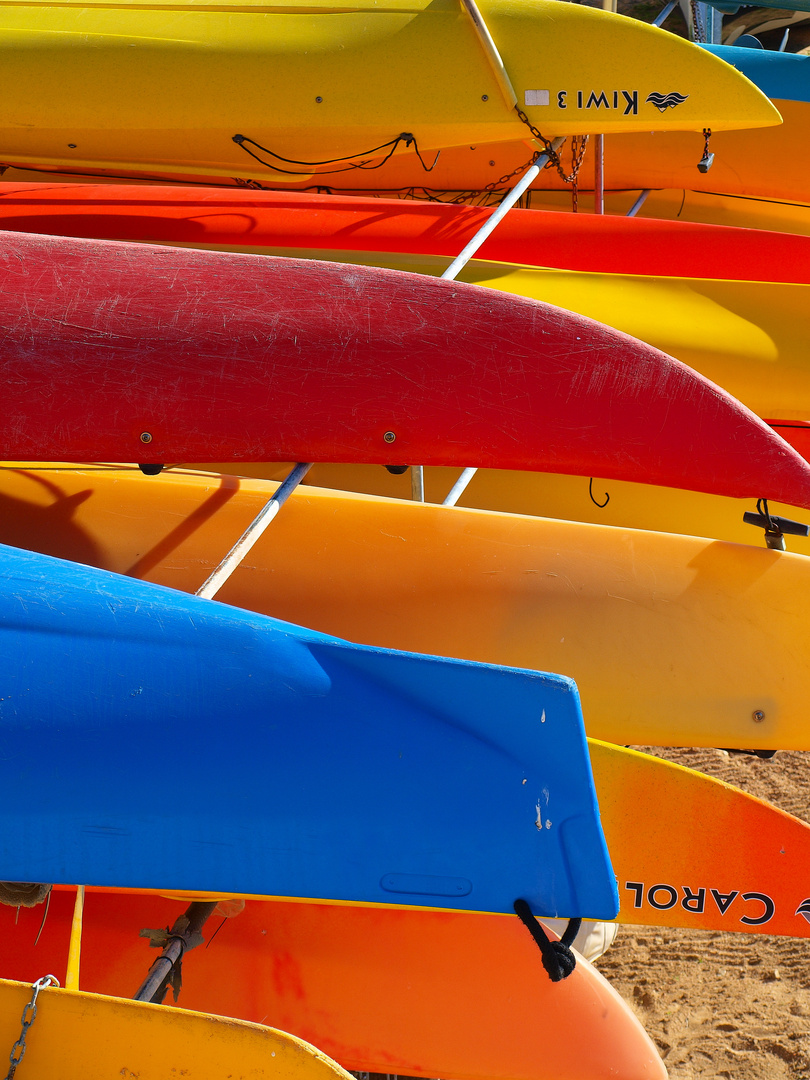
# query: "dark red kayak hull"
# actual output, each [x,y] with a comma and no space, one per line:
[115,351]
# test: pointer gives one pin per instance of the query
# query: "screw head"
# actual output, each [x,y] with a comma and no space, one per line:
[71,146]
[318,100]
[485,97]
[492,162]
[389,437]
[758,716]
[146,437]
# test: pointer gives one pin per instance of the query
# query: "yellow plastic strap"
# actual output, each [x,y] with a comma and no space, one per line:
[75,947]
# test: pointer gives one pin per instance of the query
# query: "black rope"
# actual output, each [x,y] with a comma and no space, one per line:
[762,509]
[593,500]
[558,959]
[405,136]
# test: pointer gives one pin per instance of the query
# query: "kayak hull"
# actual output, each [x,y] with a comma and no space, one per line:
[100,669]
[670,639]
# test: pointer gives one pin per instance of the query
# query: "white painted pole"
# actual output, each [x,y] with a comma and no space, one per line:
[217,579]
[491,223]
[464,257]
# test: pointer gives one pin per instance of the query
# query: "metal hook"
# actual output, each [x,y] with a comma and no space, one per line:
[593,500]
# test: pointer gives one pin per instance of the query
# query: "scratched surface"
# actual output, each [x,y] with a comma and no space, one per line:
[139,353]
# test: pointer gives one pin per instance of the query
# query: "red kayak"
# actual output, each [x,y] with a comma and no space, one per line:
[129,352]
[266,220]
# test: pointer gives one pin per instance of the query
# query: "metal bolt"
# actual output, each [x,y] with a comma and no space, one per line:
[146,437]
[389,437]
[71,146]
[485,97]
[758,716]
[318,100]
[492,162]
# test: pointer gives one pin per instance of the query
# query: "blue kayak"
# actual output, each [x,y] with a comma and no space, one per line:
[152,739]
[782,76]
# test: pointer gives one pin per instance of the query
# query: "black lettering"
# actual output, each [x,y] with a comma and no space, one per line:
[579,99]
[632,102]
[561,96]
[598,102]
[768,912]
[615,99]
[724,900]
[693,901]
[672,895]
[638,888]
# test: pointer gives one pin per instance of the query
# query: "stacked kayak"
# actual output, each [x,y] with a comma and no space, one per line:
[361,755]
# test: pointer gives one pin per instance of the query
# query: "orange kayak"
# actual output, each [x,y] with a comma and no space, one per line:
[419,993]
[270,221]
[671,639]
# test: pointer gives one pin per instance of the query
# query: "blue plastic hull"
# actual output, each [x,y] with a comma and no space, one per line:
[782,76]
[156,740]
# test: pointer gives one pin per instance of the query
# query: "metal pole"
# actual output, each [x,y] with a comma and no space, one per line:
[637,205]
[599,175]
[460,486]
[418,483]
[181,937]
[491,52]
[490,224]
[664,15]
[458,264]
[217,579]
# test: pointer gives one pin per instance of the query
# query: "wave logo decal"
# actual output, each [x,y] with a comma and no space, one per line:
[662,102]
[804,909]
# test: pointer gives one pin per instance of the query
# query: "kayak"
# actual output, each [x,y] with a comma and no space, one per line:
[101,668]
[296,93]
[81,1036]
[672,640]
[269,222]
[167,354]
[770,164]
[732,863]
[745,336]
[422,993]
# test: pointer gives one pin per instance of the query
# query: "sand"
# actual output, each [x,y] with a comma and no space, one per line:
[723,1005]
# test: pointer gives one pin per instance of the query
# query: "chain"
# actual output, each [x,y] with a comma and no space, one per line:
[29,1015]
[554,157]
[698,29]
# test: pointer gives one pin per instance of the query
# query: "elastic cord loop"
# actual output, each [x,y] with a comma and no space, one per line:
[558,959]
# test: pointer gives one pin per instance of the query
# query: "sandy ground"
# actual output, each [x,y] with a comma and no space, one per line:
[724,1005]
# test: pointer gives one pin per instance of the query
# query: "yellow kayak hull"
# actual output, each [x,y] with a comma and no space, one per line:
[163,89]
[671,639]
[80,1036]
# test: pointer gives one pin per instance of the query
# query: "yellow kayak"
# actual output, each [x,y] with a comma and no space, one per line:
[79,1036]
[284,93]
[671,639]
